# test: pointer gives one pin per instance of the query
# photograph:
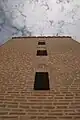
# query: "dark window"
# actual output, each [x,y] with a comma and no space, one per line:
[41,43]
[41,81]
[41,52]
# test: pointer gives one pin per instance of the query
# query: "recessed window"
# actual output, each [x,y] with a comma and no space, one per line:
[41,81]
[41,52]
[41,43]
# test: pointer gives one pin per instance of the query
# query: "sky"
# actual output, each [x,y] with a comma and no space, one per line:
[39,17]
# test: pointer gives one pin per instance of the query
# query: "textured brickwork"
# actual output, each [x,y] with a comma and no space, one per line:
[18,64]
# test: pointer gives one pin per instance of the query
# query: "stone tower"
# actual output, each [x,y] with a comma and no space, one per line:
[40,79]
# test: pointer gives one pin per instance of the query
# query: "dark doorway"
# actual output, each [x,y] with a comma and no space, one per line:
[41,52]
[41,81]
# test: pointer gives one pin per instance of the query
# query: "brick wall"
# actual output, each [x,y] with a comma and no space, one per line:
[18,64]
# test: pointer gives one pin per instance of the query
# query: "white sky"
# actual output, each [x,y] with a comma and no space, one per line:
[45,17]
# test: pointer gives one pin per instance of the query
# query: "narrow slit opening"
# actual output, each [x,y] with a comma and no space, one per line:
[41,52]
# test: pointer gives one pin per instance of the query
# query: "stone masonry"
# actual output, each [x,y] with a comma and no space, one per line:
[18,65]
